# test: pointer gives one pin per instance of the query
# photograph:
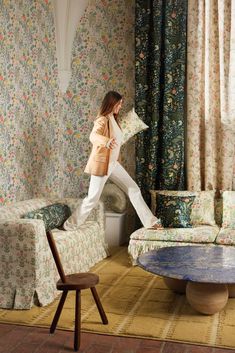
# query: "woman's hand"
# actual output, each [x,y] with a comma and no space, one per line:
[112,143]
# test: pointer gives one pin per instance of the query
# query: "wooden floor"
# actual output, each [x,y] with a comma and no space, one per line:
[23,339]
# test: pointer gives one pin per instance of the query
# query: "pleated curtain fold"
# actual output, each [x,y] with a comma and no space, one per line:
[160,52]
[210,94]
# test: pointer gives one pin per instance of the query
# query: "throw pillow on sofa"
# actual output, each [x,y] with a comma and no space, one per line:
[53,216]
[228,209]
[203,207]
[174,211]
[130,124]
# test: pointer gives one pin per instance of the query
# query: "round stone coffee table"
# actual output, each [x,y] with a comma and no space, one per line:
[205,273]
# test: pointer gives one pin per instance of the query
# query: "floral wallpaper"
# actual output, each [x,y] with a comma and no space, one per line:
[30,132]
[44,142]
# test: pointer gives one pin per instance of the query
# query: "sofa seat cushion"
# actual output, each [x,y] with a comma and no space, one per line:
[138,247]
[197,234]
[226,236]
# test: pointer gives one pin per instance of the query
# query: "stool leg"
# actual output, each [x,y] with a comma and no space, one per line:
[77,329]
[99,306]
[58,311]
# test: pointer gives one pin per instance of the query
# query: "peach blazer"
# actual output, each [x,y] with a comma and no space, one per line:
[98,161]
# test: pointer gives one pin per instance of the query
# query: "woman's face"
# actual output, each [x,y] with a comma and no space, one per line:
[117,107]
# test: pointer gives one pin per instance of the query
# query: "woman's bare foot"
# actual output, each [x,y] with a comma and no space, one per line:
[156,226]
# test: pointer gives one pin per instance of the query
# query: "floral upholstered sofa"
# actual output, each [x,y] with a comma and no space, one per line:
[212,222]
[27,271]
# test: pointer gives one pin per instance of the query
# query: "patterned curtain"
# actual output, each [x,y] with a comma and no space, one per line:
[160,83]
[211,94]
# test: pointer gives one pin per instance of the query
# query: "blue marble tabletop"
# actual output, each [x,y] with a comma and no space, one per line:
[214,264]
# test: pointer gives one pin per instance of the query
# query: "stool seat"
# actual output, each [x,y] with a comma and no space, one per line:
[78,281]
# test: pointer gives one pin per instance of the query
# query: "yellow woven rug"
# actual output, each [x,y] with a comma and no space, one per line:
[137,304]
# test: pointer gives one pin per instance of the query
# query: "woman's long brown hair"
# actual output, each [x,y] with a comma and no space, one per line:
[110,100]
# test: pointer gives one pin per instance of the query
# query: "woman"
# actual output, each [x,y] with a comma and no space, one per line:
[106,137]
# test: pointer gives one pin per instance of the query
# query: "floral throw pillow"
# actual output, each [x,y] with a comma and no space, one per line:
[175,211]
[203,208]
[228,209]
[53,215]
[131,124]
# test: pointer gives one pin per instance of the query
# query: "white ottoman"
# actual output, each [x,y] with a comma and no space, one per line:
[115,228]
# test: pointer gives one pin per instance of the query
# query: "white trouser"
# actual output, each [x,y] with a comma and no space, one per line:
[121,178]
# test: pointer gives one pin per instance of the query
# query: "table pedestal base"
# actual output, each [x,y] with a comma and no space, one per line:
[231,290]
[177,285]
[207,298]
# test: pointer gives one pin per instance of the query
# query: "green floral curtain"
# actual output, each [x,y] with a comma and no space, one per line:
[160,31]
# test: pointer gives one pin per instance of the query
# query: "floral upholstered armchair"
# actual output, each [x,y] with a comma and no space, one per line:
[27,271]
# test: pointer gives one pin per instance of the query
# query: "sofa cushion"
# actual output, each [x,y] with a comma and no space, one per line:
[202,208]
[53,216]
[138,247]
[228,209]
[174,211]
[131,124]
[226,236]
[197,234]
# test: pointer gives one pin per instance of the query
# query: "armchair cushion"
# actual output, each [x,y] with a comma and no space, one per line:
[53,216]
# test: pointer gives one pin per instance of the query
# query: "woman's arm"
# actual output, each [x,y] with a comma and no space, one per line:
[96,136]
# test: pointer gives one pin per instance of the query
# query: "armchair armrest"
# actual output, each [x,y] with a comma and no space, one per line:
[24,260]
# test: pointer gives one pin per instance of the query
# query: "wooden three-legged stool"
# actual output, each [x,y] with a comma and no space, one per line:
[77,282]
